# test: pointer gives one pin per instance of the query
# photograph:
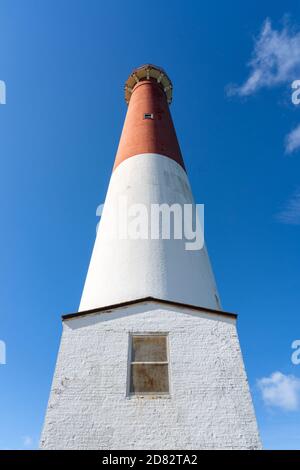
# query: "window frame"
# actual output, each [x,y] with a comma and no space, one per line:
[148,116]
[130,363]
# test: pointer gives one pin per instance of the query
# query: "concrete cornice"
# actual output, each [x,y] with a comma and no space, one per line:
[147,299]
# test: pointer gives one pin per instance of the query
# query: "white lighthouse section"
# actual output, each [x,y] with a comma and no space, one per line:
[208,405]
[127,269]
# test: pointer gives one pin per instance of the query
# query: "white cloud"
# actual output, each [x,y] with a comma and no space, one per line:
[27,441]
[281,391]
[291,212]
[292,141]
[275,60]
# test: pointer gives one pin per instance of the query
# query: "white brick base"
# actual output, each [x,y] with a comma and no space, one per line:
[209,406]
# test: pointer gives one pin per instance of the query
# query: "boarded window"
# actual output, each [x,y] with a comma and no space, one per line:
[149,364]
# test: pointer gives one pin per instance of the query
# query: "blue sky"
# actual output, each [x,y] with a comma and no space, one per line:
[64,65]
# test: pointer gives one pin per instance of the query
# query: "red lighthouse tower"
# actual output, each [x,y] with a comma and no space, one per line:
[148,170]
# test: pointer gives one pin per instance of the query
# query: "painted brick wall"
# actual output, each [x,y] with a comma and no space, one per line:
[209,404]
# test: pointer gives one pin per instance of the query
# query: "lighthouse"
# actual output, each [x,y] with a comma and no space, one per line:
[150,360]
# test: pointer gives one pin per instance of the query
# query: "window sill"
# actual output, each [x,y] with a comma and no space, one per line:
[149,396]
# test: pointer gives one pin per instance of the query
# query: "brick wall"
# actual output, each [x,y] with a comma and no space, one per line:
[209,404]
